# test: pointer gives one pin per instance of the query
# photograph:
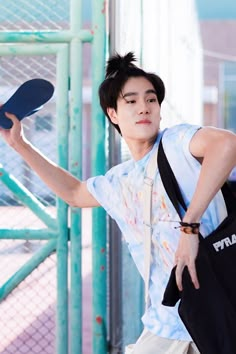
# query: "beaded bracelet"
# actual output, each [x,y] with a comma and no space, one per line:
[189,228]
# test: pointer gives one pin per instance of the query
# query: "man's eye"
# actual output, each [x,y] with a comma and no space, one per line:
[153,99]
[130,101]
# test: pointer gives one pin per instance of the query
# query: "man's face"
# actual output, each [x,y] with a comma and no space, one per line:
[138,110]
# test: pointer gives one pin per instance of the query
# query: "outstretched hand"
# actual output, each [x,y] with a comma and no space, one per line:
[15,134]
[186,255]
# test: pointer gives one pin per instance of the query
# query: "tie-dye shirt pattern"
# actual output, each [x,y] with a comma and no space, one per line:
[120,192]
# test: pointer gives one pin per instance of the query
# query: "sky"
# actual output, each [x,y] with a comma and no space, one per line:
[216,9]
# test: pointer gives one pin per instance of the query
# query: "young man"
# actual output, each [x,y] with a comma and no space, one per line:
[201,158]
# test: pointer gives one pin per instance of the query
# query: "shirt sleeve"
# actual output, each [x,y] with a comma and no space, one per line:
[108,191]
[177,140]
[185,167]
[188,133]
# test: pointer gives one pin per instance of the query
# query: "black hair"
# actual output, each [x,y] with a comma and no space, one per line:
[118,70]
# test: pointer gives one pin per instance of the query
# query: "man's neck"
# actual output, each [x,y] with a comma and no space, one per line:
[139,149]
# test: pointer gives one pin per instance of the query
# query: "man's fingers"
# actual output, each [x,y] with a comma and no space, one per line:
[193,275]
[11,116]
[179,274]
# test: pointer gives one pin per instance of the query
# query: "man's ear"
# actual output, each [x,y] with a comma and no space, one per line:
[112,114]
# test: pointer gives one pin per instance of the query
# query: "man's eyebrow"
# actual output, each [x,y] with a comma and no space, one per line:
[127,94]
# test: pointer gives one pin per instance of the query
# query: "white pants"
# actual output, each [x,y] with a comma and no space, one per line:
[149,343]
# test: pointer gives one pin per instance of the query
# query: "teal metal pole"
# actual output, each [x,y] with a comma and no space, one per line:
[133,298]
[76,80]
[62,215]
[27,234]
[27,268]
[30,49]
[98,167]
[61,242]
[45,36]
[76,170]
[27,198]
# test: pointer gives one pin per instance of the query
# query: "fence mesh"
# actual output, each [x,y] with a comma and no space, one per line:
[39,128]
[38,14]
[28,313]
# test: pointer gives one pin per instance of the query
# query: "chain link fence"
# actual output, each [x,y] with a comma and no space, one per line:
[34,15]
[28,312]
[39,128]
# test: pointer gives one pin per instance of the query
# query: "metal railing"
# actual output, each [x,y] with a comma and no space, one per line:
[47,40]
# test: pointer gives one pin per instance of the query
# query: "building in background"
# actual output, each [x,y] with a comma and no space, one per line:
[218,32]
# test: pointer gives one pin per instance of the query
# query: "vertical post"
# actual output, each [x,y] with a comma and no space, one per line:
[62,240]
[115,243]
[76,169]
[126,286]
[98,167]
[133,299]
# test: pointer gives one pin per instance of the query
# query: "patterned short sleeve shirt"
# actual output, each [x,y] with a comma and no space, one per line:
[120,193]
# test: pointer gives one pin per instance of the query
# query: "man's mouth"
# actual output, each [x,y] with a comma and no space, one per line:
[143,121]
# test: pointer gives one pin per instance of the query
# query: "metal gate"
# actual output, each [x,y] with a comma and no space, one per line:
[40,246]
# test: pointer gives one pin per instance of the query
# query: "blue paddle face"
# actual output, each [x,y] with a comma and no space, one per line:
[27,99]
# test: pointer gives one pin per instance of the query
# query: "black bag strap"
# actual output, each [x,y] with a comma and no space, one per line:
[229,197]
[172,188]
[169,181]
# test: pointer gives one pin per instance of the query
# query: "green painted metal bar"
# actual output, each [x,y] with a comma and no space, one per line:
[45,36]
[76,170]
[27,198]
[75,37]
[61,241]
[98,167]
[133,298]
[28,234]
[62,208]
[61,225]
[27,268]
[30,49]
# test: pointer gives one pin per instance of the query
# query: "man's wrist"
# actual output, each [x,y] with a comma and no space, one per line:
[21,145]
[189,228]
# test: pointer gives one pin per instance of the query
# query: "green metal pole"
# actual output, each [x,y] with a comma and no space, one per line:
[27,198]
[76,168]
[62,240]
[98,167]
[44,36]
[76,81]
[62,227]
[27,268]
[28,234]
[30,49]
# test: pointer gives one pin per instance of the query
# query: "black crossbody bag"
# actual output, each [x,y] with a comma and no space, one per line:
[209,313]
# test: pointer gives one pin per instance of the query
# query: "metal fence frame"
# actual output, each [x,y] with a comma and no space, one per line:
[68,47]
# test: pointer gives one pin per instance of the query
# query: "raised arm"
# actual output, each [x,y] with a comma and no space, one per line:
[216,149]
[60,181]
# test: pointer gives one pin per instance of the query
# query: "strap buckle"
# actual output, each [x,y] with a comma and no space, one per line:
[147,224]
[148,181]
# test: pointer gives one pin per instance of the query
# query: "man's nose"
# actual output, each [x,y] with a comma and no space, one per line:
[143,108]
